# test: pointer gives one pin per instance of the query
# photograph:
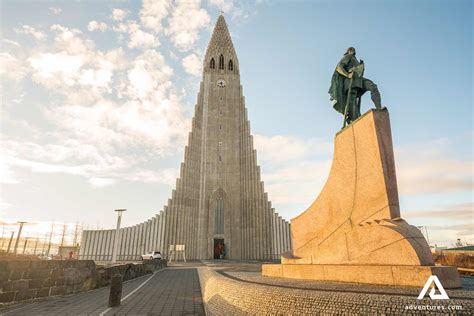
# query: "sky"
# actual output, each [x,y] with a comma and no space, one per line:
[98,97]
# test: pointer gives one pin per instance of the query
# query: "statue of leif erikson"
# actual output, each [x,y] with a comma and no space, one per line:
[348,85]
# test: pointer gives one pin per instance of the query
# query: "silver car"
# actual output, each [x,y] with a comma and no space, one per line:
[152,255]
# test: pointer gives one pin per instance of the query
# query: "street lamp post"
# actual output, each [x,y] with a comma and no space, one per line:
[50,239]
[10,242]
[36,245]
[25,245]
[116,238]
[18,237]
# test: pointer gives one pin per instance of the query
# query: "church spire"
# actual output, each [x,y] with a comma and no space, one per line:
[220,44]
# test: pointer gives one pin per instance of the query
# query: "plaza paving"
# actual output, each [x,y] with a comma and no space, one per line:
[172,291]
[231,288]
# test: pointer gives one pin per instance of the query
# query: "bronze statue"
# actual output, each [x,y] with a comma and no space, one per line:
[348,85]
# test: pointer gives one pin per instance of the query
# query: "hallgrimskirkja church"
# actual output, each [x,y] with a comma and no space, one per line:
[219,208]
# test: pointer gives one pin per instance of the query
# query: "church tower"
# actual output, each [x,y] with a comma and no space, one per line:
[219,205]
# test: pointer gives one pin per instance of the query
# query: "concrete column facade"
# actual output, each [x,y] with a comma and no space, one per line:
[129,242]
[140,240]
[166,230]
[100,241]
[162,232]
[275,223]
[158,232]
[84,243]
[107,244]
[147,237]
[133,249]
[121,244]
[154,220]
[93,244]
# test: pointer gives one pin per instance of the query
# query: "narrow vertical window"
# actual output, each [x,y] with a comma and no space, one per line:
[231,65]
[221,62]
[219,215]
[220,158]
[220,126]
[212,64]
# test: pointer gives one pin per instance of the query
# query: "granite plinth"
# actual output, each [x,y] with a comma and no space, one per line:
[415,276]
[353,231]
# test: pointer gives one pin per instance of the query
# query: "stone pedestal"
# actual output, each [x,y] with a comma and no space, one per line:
[353,231]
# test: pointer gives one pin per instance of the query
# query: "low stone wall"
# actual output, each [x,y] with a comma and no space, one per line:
[26,280]
[128,271]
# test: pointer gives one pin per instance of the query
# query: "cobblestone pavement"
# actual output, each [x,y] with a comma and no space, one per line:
[250,271]
[172,291]
[230,288]
[236,287]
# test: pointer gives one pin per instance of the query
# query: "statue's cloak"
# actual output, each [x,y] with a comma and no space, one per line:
[340,84]
[336,91]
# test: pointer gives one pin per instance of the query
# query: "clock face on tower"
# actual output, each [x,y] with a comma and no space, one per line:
[221,83]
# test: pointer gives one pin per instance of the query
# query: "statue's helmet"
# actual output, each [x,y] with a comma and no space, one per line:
[350,50]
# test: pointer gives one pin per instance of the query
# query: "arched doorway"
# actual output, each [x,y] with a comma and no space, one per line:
[217,213]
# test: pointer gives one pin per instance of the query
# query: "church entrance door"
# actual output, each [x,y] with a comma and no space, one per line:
[219,248]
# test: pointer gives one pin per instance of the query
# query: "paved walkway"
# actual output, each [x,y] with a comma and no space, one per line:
[172,291]
[176,291]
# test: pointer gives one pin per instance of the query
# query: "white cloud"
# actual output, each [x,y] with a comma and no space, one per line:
[186,20]
[429,167]
[11,67]
[166,176]
[55,10]
[29,30]
[11,42]
[150,74]
[7,176]
[192,64]
[295,168]
[461,212]
[153,13]
[299,183]
[141,39]
[56,69]
[70,41]
[76,63]
[94,26]
[285,148]
[137,37]
[69,157]
[118,14]
[101,182]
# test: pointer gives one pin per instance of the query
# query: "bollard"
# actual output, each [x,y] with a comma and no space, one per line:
[115,290]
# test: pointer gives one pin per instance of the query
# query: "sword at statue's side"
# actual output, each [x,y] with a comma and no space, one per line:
[347,102]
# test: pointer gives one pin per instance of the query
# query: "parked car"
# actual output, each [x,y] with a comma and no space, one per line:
[152,255]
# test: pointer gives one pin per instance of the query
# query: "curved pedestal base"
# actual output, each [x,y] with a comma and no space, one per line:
[370,274]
